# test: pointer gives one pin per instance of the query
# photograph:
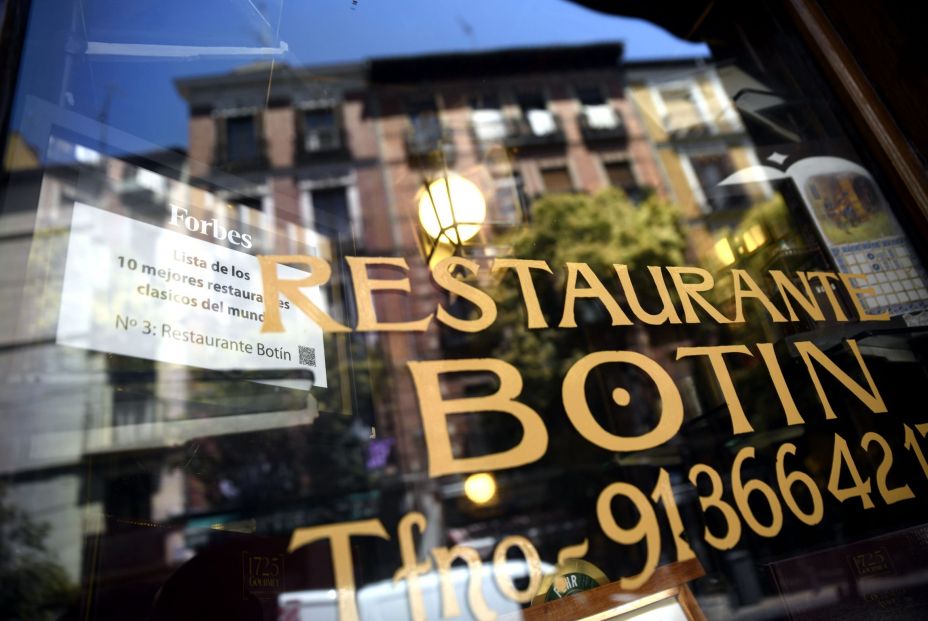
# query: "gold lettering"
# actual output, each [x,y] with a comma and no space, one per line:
[364,286]
[412,569]
[745,287]
[808,351]
[714,500]
[339,536]
[669,312]
[715,354]
[578,550]
[779,383]
[435,410]
[596,290]
[523,269]
[691,292]
[854,292]
[578,410]
[274,287]
[449,601]
[788,290]
[532,562]
[446,280]
[646,529]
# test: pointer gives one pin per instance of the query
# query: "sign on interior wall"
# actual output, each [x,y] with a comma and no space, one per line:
[857,228]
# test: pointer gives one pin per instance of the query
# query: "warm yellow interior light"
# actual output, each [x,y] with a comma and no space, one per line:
[454,209]
[754,238]
[480,488]
[724,252]
[441,251]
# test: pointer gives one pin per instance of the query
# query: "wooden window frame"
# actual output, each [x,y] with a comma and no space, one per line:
[881,134]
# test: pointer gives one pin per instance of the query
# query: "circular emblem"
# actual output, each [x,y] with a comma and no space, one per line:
[570,577]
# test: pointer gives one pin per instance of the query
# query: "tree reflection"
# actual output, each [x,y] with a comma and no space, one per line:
[32,584]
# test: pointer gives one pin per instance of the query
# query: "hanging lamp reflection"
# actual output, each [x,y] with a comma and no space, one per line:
[451,209]
[480,488]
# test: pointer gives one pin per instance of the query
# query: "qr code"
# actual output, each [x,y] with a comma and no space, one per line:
[307,355]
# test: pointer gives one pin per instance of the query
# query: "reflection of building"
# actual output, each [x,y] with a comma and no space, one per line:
[332,159]
[84,413]
[291,152]
[94,440]
[345,149]
[540,120]
[699,140]
[516,123]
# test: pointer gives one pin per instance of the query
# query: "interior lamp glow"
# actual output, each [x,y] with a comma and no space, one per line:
[480,488]
[452,207]
[724,252]
[754,238]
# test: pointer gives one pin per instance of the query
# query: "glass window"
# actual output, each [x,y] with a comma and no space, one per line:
[622,176]
[488,120]
[682,112]
[509,199]
[710,170]
[330,212]
[426,133]
[557,179]
[423,115]
[241,137]
[540,119]
[476,310]
[321,129]
[597,113]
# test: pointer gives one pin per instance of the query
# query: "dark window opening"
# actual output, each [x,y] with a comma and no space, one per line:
[590,96]
[423,116]
[330,212]
[128,498]
[557,180]
[241,138]
[622,176]
[712,169]
[321,130]
[252,201]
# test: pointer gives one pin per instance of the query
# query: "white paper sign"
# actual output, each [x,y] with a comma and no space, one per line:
[140,290]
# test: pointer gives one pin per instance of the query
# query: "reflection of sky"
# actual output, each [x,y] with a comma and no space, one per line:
[137,95]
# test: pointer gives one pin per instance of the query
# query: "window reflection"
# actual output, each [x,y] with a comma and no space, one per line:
[152,472]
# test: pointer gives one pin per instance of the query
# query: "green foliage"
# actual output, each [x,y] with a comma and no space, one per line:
[33,586]
[600,230]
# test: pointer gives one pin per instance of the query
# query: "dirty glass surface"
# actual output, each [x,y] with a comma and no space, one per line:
[418,310]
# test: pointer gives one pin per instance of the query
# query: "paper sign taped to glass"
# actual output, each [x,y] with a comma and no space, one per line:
[141,290]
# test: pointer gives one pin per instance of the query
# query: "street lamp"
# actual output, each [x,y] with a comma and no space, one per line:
[452,210]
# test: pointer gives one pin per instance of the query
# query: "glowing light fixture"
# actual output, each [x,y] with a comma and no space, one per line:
[440,250]
[480,488]
[452,208]
[724,252]
[754,238]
